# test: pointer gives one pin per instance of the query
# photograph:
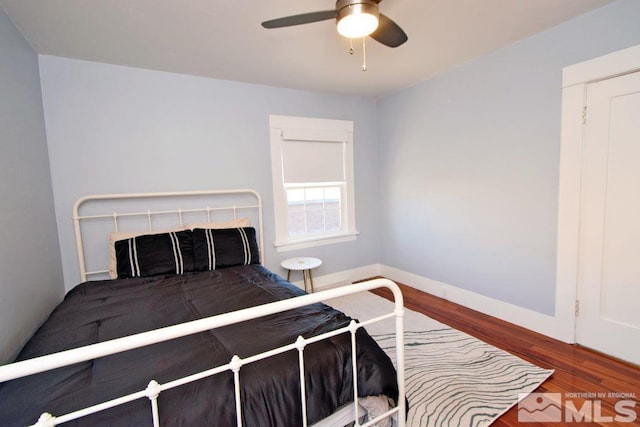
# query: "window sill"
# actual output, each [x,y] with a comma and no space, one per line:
[309,242]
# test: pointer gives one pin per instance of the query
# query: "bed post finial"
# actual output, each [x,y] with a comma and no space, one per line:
[153,391]
[46,420]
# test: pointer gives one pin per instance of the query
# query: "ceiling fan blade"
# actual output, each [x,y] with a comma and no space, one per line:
[389,33]
[304,18]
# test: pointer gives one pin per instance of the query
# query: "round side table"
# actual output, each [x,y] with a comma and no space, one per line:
[304,264]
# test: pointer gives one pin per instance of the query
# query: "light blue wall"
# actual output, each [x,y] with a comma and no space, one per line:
[456,178]
[469,163]
[118,129]
[30,270]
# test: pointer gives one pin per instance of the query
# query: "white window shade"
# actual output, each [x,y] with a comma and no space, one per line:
[313,162]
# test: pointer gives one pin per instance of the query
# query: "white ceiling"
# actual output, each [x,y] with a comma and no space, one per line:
[223,39]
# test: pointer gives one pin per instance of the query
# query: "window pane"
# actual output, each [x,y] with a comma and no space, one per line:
[296,219]
[332,220]
[295,194]
[314,210]
[332,193]
[315,219]
[314,195]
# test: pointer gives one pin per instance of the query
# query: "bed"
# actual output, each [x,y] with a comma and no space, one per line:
[195,330]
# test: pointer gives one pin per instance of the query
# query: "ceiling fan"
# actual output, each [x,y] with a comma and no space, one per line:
[354,18]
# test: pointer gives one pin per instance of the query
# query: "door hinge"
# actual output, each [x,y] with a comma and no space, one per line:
[577,310]
[584,115]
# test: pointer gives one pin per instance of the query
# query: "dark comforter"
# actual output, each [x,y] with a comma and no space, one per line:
[99,311]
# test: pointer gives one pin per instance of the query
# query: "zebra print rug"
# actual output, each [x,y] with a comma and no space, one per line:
[452,379]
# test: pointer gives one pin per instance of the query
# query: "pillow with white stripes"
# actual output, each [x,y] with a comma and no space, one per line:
[123,235]
[153,254]
[217,248]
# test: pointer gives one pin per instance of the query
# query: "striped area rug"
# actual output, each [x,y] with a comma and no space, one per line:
[452,379]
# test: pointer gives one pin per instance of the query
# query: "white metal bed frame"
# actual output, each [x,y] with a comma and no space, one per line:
[350,413]
[178,214]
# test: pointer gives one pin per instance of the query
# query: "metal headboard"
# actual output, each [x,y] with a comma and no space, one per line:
[173,208]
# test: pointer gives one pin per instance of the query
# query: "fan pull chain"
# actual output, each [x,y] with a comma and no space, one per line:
[364,52]
[364,55]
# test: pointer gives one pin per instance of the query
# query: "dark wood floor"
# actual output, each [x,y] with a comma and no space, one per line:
[577,369]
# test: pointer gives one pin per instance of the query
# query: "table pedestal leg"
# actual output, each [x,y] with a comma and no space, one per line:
[306,277]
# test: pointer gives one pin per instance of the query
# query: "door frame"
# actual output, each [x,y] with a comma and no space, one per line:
[575,79]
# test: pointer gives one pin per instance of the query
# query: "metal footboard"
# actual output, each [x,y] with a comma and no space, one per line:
[153,390]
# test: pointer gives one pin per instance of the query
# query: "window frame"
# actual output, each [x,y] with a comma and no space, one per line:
[287,129]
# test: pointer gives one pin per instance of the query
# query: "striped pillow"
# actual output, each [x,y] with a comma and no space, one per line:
[217,248]
[153,254]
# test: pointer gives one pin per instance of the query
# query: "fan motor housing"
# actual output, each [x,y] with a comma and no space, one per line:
[349,7]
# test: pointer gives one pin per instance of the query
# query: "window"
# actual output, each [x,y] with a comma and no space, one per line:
[312,167]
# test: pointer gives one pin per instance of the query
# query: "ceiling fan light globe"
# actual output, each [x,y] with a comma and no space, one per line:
[357,26]
[357,19]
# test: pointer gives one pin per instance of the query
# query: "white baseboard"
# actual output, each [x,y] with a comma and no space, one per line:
[342,278]
[537,322]
[544,324]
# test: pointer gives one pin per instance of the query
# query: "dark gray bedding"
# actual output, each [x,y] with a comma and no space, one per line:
[99,311]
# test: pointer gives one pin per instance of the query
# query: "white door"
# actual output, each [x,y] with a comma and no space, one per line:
[609,256]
